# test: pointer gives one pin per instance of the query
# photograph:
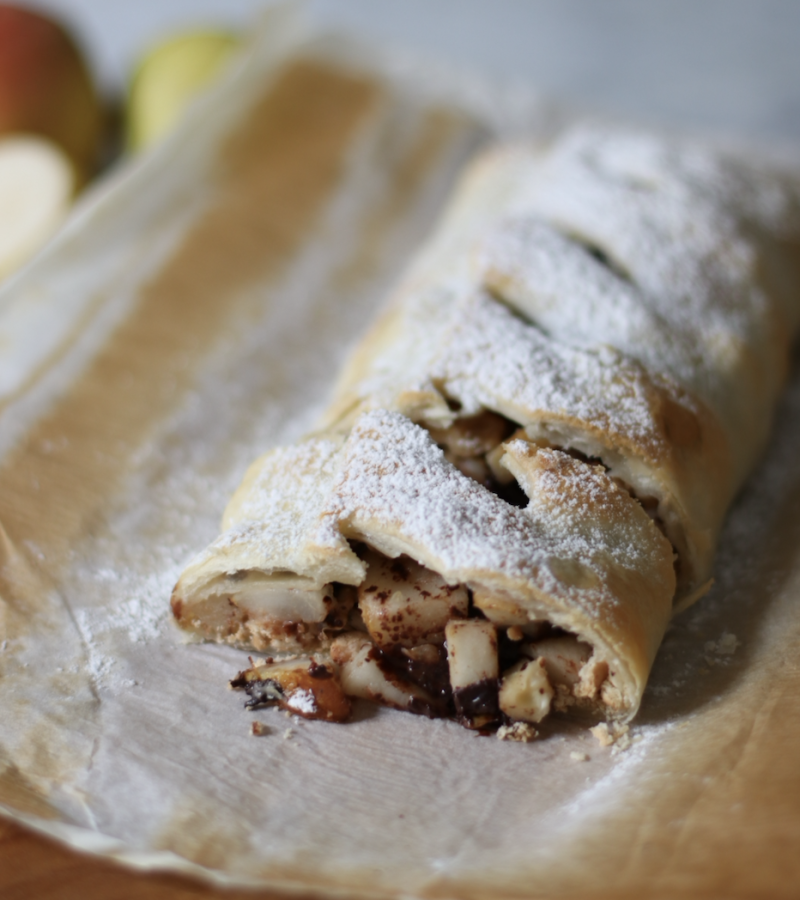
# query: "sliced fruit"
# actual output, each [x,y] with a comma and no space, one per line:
[37,183]
[45,85]
[403,603]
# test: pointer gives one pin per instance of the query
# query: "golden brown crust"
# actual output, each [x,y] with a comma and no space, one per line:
[615,300]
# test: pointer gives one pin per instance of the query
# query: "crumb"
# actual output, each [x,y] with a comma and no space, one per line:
[623,742]
[288,734]
[602,734]
[519,731]
[257,729]
[727,645]
[612,734]
[578,756]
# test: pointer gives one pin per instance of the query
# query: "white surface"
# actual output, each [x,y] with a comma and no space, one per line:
[722,65]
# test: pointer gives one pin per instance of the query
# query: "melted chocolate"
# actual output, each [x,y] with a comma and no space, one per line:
[478,703]
[508,651]
[316,670]
[430,674]
[262,693]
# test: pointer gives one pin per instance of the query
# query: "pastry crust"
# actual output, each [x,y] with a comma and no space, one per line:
[625,305]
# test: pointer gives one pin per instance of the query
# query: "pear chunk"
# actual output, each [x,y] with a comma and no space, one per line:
[363,676]
[472,659]
[404,604]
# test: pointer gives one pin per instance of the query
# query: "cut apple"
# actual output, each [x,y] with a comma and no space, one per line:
[37,183]
[46,87]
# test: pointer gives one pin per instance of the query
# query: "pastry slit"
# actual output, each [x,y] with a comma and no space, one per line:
[509,490]
[543,431]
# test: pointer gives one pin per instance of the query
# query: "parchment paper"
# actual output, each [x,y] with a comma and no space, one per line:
[194,313]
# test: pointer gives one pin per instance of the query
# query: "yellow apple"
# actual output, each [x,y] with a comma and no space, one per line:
[169,77]
[37,184]
[45,85]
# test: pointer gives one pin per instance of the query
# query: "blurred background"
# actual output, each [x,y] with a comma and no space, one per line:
[85,83]
[729,65]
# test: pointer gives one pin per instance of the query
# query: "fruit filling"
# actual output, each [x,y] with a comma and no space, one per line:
[415,643]
[407,639]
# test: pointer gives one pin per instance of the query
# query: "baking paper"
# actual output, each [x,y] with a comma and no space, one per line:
[193,314]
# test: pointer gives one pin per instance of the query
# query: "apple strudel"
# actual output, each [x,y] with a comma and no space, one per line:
[528,459]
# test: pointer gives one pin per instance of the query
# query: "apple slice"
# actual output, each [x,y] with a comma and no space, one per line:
[37,183]
[46,87]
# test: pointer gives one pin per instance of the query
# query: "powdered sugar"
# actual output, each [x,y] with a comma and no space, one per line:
[493,360]
[677,220]
[397,490]
[633,262]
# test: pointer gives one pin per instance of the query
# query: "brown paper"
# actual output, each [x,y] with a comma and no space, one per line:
[195,313]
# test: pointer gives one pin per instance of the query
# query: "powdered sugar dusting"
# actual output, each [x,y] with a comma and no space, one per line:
[395,483]
[494,360]
[678,221]
[271,521]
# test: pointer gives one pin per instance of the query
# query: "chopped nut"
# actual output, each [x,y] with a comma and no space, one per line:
[608,733]
[525,691]
[258,728]
[504,612]
[517,731]
[578,756]
[603,734]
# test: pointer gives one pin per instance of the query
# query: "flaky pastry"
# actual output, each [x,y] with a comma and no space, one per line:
[528,458]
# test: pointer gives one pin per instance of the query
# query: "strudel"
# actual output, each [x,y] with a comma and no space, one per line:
[527,462]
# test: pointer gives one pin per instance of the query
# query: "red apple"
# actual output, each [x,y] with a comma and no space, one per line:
[45,85]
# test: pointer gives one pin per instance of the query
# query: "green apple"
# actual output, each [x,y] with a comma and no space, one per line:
[169,77]
[46,87]
[37,184]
